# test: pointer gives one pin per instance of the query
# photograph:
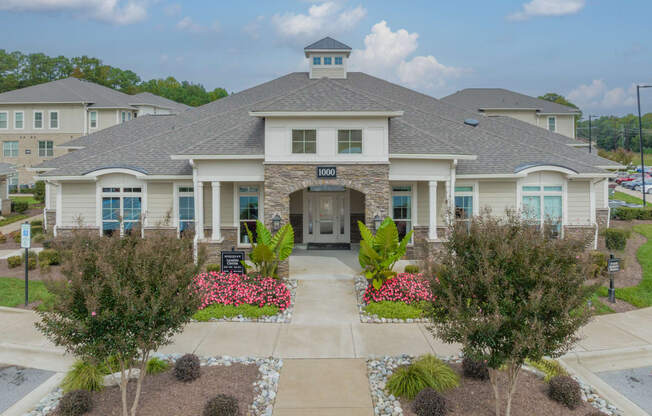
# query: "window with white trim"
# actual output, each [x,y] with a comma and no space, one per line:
[552,123]
[463,203]
[542,204]
[19,119]
[121,209]
[349,141]
[54,119]
[304,141]
[316,60]
[12,183]
[45,148]
[186,209]
[328,60]
[338,60]
[10,149]
[402,209]
[93,119]
[38,119]
[4,120]
[248,211]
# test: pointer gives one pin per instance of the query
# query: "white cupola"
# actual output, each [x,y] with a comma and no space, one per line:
[327,58]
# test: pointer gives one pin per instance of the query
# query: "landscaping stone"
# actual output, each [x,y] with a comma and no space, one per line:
[360,287]
[379,369]
[284,317]
[265,387]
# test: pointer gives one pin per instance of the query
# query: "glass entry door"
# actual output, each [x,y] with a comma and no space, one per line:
[326,217]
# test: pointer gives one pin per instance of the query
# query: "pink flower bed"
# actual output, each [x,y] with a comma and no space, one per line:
[235,289]
[404,287]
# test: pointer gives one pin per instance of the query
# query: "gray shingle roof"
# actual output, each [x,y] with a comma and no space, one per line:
[7,169]
[494,98]
[224,127]
[327,43]
[74,90]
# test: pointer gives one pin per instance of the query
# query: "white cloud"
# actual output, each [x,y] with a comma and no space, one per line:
[322,18]
[188,25]
[173,9]
[386,54]
[119,12]
[597,95]
[536,8]
[253,28]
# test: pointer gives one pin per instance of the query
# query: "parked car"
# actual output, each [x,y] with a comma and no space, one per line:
[622,179]
[648,187]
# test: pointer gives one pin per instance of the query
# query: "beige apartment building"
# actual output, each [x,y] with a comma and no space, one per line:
[554,117]
[37,121]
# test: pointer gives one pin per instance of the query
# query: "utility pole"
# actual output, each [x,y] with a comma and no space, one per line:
[590,134]
[640,138]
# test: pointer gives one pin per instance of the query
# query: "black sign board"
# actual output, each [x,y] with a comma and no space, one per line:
[232,262]
[614,265]
[326,172]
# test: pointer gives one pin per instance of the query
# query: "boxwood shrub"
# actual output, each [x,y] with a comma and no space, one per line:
[49,257]
[616,238]
[14,261]
[629,213]
[19,206]
[212,267]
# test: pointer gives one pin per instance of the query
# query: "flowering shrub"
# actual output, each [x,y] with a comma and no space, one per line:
[236,289]
[404,287]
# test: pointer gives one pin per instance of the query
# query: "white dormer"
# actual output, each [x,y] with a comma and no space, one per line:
[327,58]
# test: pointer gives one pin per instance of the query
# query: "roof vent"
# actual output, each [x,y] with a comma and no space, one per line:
[471,122]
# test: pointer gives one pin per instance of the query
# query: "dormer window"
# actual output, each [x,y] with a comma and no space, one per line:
[327,60]
[316,60]
[338,60]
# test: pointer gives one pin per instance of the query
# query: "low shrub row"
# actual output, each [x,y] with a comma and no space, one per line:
[397,310]
[616,238]
[234,289]
[46,258]
[19,206]
[629,213]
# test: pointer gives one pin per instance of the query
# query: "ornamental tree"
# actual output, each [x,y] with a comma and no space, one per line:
[508,291]
[122,298]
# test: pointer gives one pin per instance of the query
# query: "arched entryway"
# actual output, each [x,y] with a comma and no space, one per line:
[326,215]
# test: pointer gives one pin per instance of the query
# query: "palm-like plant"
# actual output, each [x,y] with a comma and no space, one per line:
[269,250]
[379,253]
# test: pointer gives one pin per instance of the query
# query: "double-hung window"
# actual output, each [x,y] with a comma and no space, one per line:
[186,209]
[304,141]
[338,60]
[125,116]
[463,203]
[552,124]
[54,119]
[10,149]
[542,205]
[316,60]
[328,60]
[93,119]
[349,141]
[19,119]
[402,209]
[38,119]
[4,120]
[45,148]
[121,209]
[248,211]
[12,183]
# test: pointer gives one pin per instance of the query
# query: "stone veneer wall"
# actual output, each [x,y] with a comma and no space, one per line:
[580,231]
[50,219]
[602,217]
[213,248]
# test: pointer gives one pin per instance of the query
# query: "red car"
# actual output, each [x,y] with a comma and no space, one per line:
[625,179]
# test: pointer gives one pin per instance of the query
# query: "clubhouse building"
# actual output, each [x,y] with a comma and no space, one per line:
[321,150]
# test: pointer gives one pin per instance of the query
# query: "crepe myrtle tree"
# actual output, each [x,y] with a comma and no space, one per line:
[122,298]
[508,291]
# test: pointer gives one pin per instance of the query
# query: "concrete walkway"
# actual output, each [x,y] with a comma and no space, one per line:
[325,346]
[15,226]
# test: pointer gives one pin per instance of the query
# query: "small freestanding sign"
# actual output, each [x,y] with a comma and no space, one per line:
[232,262]
[26,243]
[613,266]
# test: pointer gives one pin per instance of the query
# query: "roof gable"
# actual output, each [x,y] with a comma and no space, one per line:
[327,43]
[499,98]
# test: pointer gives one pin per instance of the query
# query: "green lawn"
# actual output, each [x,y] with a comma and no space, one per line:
[637,159]
[641,294]
[13,218]
[621,196]
[12,292]
[220,311]
[29,199]
[600,308]
[398,310]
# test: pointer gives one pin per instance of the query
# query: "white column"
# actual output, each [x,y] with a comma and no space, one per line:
[215,186]
[199,210]
[432,203]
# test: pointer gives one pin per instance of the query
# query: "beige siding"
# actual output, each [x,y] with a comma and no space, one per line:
[579,203]
[159,204]
[226,203]
[599,194]
[423,200]
[497,196]
[78,204]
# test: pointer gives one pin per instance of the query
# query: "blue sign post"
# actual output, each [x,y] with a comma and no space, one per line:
[25,242]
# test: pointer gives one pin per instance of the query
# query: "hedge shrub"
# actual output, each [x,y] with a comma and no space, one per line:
[35,223]
[475,369]
[75,403]
[429,403]
[412,269]
[212,267]
[49,257]
[598,265]
[14,261]
[32,262]
[616,238]
[187,368]
[565,390]
[19,206]
[222,405]
[629,213]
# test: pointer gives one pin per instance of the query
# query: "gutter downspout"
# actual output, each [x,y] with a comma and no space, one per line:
[195,239]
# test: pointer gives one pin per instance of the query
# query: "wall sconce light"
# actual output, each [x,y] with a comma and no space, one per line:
[377,222]
[276,222]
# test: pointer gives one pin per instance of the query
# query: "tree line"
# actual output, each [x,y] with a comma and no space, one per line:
[19,70]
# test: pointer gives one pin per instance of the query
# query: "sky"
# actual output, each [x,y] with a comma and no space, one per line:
[591,51]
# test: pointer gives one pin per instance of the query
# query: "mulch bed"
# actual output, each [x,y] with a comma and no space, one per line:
[34,274]
[163,394]
[476,398]
[632,273]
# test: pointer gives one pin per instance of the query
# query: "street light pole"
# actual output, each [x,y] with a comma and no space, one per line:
[590,133]
[640,138]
